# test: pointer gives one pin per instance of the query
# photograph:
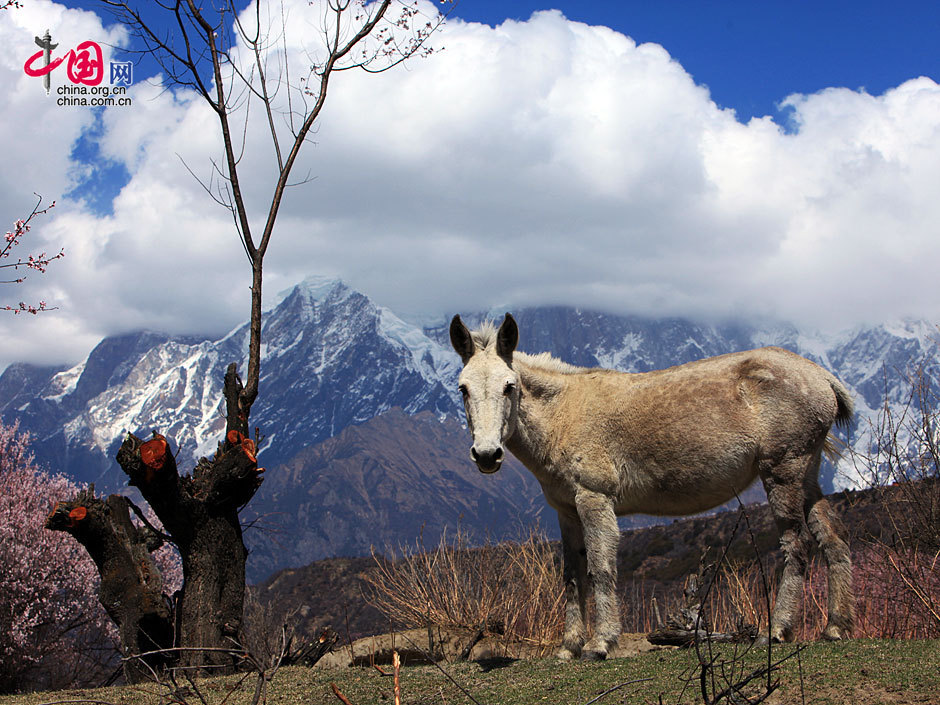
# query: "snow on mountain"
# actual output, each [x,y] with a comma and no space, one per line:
[332,358]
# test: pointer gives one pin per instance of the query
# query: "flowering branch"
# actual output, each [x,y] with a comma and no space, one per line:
[35,262]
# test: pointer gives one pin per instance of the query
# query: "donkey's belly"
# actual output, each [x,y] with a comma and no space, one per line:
[683,491]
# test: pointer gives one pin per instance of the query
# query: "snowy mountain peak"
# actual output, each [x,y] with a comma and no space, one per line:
[320,288]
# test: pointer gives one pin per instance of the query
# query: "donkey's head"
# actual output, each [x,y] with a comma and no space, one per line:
[490,387]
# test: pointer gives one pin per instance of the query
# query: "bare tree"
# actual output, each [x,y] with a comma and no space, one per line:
[199,55]
[238,63]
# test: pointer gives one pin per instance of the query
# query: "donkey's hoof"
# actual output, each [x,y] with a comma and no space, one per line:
[591,655]
[566,654]
[763,640]
[833,633]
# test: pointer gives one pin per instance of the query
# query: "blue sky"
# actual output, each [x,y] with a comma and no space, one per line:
[772,161]
[751,54]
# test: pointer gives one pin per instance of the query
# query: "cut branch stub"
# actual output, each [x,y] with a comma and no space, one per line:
[236,409]
[231,479]
[153,453]
[76,515]
[147,462]
[238,440]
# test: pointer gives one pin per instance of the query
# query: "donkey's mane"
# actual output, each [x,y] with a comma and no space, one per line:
[485,337]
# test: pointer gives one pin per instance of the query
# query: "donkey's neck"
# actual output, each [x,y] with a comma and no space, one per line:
[539,390]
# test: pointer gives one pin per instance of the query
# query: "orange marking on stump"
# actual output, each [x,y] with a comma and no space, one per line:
[237,438]
[153,453]
[248,448]
[76,515]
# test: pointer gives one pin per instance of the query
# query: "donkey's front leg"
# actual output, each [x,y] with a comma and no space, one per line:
[575,575]
[601,537]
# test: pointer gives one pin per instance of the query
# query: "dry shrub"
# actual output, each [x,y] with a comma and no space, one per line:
[896,574]
[512,587]
[897,596]
[740,596]
[899,593]
[640,602]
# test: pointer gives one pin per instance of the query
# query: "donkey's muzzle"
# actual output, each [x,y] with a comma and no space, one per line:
[487,461]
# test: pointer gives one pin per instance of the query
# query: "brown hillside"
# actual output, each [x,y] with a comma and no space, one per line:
[387,482]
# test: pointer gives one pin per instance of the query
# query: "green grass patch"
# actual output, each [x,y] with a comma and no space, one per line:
[856,672]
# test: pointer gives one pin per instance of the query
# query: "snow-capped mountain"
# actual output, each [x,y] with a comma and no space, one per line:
[330,358]
[333,360]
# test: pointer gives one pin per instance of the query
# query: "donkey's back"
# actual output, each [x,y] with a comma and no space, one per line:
[687,438]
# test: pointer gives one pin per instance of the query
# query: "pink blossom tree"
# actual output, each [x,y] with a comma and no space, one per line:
[53,631]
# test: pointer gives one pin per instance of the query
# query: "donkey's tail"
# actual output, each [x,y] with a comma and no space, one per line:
[833,446]
[844,400]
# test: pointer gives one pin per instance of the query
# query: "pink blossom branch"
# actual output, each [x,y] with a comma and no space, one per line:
[36,263]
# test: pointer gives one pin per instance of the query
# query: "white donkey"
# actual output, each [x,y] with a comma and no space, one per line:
[671,442]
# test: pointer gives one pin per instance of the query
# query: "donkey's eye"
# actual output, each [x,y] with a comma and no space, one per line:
[508,389]
[463,389]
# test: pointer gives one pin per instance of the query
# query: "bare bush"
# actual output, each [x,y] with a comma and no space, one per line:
[894,606]
[508,587]
[903,465]
[902,592]
[272,639]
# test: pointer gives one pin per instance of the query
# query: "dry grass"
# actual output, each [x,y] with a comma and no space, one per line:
[516,588]
[508,587]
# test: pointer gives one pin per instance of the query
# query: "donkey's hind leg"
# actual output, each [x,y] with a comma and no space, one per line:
[574,560]
[829,533]
[784,485]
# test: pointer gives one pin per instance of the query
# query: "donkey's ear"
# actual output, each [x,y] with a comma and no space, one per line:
[507,337]
[461,340]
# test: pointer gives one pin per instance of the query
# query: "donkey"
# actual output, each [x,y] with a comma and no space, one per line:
[672,442]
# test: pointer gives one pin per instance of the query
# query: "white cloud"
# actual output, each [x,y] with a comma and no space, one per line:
[536,162]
